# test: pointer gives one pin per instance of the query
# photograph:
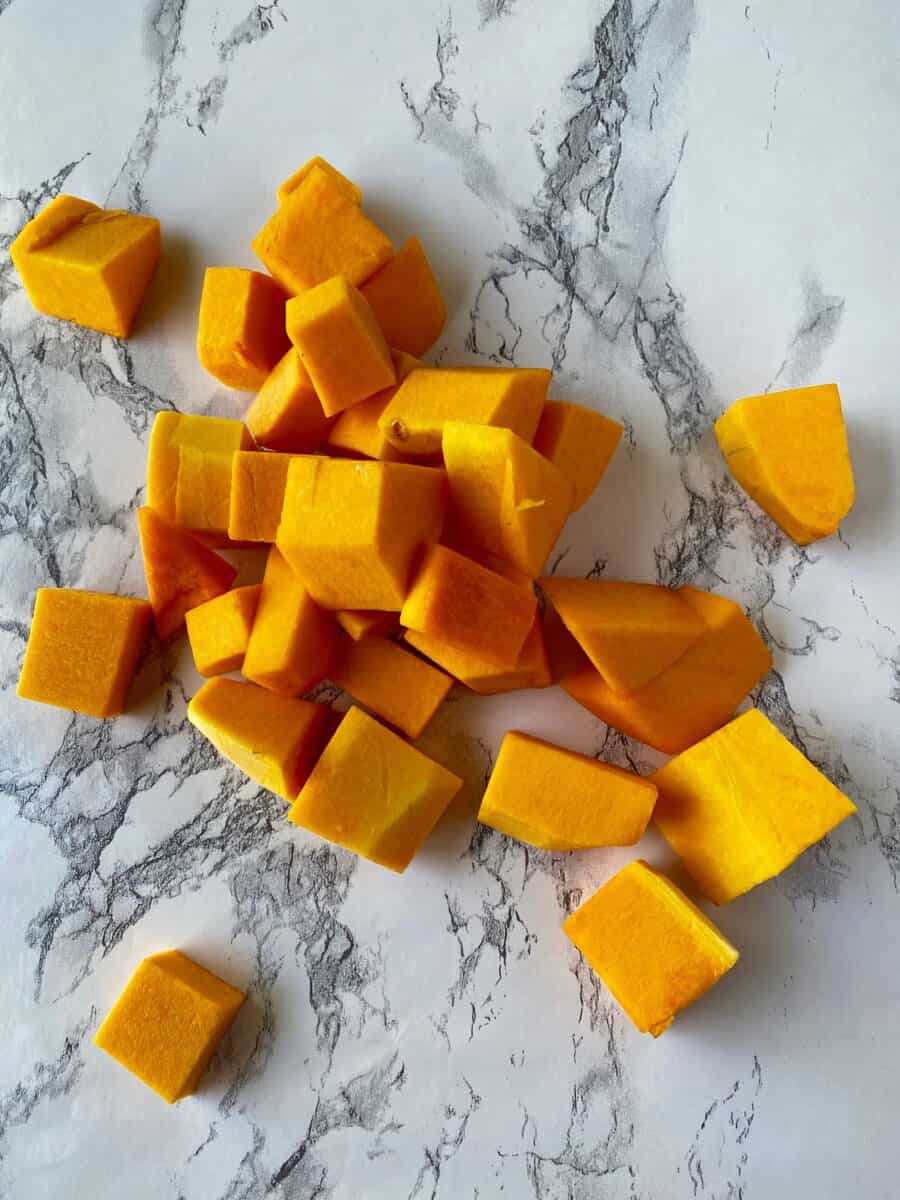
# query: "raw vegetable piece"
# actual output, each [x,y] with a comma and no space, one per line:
[556,799]
[241,333]
[741,805]
[217,437]
[292,640]
[273,739]
[166,1025]
[82,650]
[219,630]
[320,231]
[456,600]
[580,442]
[203,491]
[405,691]
[352,530]
[293,181]
[694,696]
[360,624]
[287,414]
[374,793]
[655,950]
[631,632]
[406,300]
[181,572]
[530,669]
[512,397]
[356,431]
[789,451]
[257,495]
[86,264]
[507,498]
[340,344]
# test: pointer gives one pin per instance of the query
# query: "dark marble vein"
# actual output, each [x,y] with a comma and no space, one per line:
[719,1154]
[455,1117]
[817,331]
[258,24]
[494,10]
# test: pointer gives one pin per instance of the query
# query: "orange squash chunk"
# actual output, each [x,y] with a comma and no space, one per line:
[217,438]
[293,181]
[82,650]
[360,623]
[181,572]
[287,414]
[531,668]
[219,630]
[406,301]
[241,332]
[580,442]
[257,495]
[397,686]
[356,432]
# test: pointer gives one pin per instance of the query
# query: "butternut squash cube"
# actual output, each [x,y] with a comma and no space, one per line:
[257,495]
[580,442]
[511,397]
[88,265]
[374,793]
[293,181]
[556,799]
[219,630]
[241,333]
[352,530]
[406,301]
[217,437]
[655,950]
[456,600]
[356,432]
[166,1025]
[340,344]
[530,669]
[696,694]
[789,451]
[82,650]
[292,640]
[741,805]
[273,739]
[631,632]
[318,231]
[397,686]
[287,414]
[360,624]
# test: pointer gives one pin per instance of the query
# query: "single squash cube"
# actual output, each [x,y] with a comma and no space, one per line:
[352,530]
[631,632]
[293,181]
[181,572]
[86,264]
[374,793]
[456,600]
[356,432]
[580,442]
[406,301]
[83,649]
[241,334]
[360,624]
[741,805]
[655,950]
[340,344]
[287,414]
[397,686]
[219,630]
[556,799]
[218,437]
[203,492]
[317,232]
[166,1025]
[789,451]
[257,495]
[273,739]
[696,694]
[511,397]
[531,668]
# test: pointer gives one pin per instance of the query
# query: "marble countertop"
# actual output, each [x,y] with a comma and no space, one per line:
[673,204]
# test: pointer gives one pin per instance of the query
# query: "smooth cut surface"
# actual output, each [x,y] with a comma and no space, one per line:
[530,669]
[286,413]
[257,495]
[219,630]
[580,442]
[362,623]
[293,181]
[218,438]
[241,335]
[406,300]
[356,433]
[402,689]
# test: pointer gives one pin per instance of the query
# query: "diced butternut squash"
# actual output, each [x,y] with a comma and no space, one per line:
[741,805]
[352,530]
[530,669]
[789,451]
[456,600]
[356,432]
[286,413]
[506,497]
[340,344]
[273,739]
[181,572]
[241,334]
[556,799]
[219,630]
[87,265]
[83,649]
[406,300]
[166,1025]
[374,793]
[511,397]
[292,640]
[631,632]
[318,231]
[216,437]
[257,495]
[655,950]
[697,693]
[580,442]
[360,624]
[397,686]
[293,181]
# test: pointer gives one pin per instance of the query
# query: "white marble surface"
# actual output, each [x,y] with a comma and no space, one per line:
[671,203]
